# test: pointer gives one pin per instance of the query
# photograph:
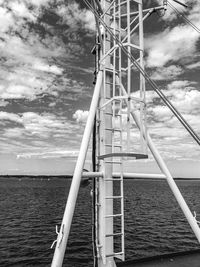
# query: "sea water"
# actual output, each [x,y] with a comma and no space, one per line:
[31,208]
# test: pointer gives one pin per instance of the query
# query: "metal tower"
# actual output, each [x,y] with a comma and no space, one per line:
[118,109]
[114,123]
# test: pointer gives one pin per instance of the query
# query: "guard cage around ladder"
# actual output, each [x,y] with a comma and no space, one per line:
[119,96]
[118,138]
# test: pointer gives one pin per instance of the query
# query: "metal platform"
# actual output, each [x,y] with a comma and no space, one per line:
[123,154]
[181,259]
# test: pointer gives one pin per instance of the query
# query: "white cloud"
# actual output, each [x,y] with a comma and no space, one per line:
[76,17]
[81,115]
[14,91]
[10,116]
[20,9]
[181,84]
[6,20]
[42,125]
[177,43]
[47,68]
[166,73]
[3,103]
[39,3]
[171,45]
[193,66]
[50,154]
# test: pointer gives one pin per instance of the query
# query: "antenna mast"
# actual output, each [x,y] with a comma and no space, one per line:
[118,138]
[119,108]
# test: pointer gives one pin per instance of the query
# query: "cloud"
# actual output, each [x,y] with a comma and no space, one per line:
[47,68]
[184,96]
[3,103]
[34,133]
[6,20]
[50,154]
[42,125]
[75,17]
[181,84]
[167,73]
[167,132]
[20,9]
[32,47]
[10,117]
[81,115]
[193,66]
[174,44]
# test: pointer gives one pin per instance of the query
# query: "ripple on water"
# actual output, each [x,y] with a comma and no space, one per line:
[30,210]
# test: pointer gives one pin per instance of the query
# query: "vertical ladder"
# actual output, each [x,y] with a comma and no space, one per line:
[113,136]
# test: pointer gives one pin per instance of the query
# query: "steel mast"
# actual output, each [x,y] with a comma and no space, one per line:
[115,130]
[121,133]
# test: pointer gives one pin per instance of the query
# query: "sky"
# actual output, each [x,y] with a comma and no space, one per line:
[46,85]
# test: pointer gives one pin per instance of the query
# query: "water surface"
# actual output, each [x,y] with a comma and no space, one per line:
[31,208]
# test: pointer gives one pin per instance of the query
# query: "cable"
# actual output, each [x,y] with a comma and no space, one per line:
[180,3]
[147,77]
[181,15]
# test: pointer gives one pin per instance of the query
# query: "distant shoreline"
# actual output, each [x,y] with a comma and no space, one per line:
[37,176]
[69,176]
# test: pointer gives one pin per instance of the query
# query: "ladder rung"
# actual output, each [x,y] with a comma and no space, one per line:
[113,179]
[113,162]
[113,129]
[115,234]
[113,215]
[111,70]
[114,29]
[110,145]
[113,197]
[110,113]
[109,83]
[114,254]
[109,13]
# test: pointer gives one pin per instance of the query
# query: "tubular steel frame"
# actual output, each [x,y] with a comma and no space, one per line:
[115,67]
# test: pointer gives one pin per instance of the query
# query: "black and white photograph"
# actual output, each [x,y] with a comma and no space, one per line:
[99,133]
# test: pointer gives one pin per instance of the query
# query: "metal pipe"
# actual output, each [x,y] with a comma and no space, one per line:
[73,193]
[139,175]
[92,174]
[144,11]
[99,6]
[183,205]
[180,3]
[174,188]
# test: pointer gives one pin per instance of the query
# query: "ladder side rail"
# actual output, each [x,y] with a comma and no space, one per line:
[142,83]
[113,75]
[174,188]
[105,188]
[120,141]
[128,73]
[73,193]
